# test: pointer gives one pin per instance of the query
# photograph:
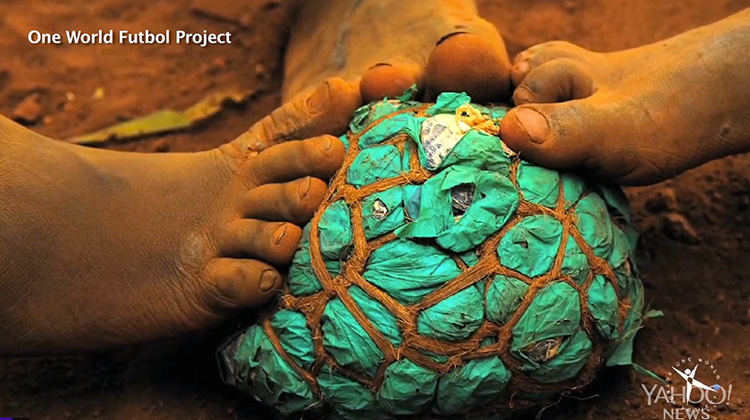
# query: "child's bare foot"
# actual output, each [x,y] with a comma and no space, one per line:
[441,45]
[102,248]
[637,116]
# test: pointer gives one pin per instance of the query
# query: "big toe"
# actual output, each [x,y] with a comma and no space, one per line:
[598,135]
[328,109]
[560,136]
[464,62]
[386,81]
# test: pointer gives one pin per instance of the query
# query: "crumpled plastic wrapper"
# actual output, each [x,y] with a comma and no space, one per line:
[471,278]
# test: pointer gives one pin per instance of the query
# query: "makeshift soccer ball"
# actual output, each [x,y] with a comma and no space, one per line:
[444,276]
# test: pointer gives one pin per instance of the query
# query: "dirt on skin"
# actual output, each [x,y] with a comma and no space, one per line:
[695,228]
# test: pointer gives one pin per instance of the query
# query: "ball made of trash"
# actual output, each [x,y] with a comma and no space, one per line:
[444,276]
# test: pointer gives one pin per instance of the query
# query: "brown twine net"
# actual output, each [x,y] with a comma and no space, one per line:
[489,265]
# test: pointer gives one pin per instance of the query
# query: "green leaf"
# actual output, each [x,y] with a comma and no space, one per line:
[653,313]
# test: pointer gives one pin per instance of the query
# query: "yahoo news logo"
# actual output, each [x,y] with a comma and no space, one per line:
[689,394]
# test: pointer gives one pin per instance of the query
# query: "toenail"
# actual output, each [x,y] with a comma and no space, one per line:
[267,280]
[533,123]
[319,98]
[279,234]
[325,143]
[521,68]
[380,65]
[523,95]
[303,187]
[450,35]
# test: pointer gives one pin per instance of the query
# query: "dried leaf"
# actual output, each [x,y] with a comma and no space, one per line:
[165,121]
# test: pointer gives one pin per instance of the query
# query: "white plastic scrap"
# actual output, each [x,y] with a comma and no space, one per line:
[440,134]
[379,210]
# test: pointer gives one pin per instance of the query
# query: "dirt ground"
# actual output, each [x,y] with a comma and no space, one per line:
[696,228]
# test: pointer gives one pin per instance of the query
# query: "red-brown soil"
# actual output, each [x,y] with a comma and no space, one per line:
[696,227]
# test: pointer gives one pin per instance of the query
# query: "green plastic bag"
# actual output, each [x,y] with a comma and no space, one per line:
[474,284]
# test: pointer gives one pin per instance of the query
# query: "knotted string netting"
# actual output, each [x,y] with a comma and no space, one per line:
[443,275]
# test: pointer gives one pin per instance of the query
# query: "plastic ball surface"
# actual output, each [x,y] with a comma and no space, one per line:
[443,275]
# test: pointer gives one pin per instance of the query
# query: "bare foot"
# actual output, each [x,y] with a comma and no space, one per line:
[110,248]
[101,248]
[636,116]
[390,45]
